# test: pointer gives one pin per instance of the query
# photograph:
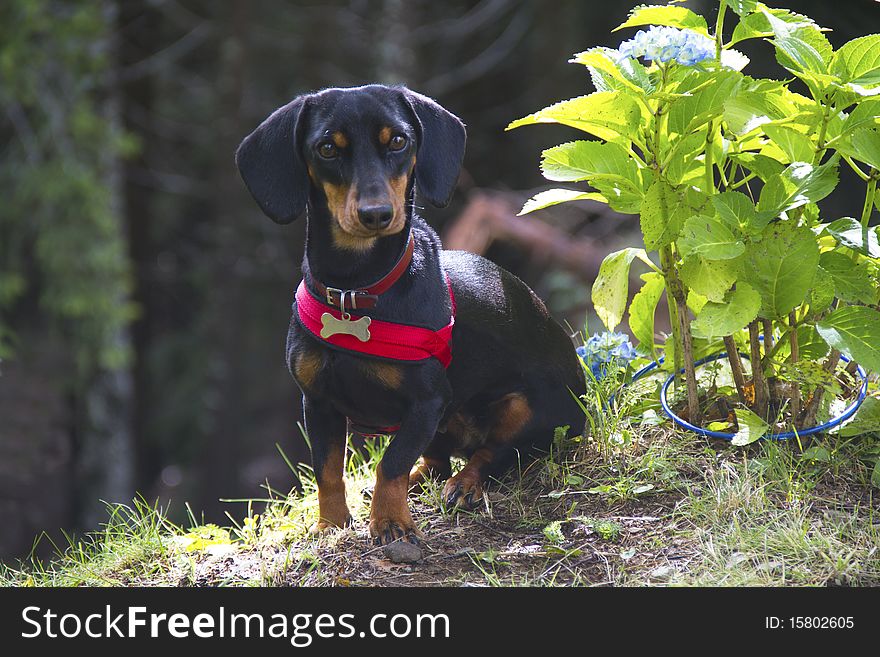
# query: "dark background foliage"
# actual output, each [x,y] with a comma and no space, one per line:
[143,297]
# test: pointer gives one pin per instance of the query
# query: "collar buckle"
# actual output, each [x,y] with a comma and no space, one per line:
[339,296]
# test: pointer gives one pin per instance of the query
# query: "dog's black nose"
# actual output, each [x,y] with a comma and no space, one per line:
[375,217]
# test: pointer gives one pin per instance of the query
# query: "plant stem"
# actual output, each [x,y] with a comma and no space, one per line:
[676,299]
[795,356]
[861,174]
[736,368]
[676,296]
[868,207]
[689,369]
[762,405]
[767,331]
[719,29]
[710,174]
[667,263]
[823,130]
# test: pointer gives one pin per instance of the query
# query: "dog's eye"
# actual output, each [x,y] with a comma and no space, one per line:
[328,150]
[397,143]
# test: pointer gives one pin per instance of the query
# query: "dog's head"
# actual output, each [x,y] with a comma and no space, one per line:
[360,149]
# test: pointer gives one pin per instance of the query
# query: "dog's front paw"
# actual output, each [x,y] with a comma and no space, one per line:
[388,530]
[463,491]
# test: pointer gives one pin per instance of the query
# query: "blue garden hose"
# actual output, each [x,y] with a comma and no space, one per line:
[850,410]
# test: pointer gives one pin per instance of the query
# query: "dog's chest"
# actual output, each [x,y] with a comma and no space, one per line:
[366,390]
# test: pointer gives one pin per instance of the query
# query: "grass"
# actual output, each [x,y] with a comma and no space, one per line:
[636,504]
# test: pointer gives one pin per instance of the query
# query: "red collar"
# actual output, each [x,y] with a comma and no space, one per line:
[374,337]
[367,297]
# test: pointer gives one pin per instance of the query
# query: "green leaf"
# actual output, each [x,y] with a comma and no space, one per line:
[800,183]
[643,307]
[611,287]
[757,25]
[751,427]
[852,280]
[683,167]
[710,238]
[850,233]
[606,114]
[737,209]
[742,7]
[863,145]
[875,474]
[799,56]
[704,101]
[764,167]
[866,419]
[612,73]
[781,267]
[822,292]
[711,279]
[661,215]
[716,320]
[759,102]
[800,48]
[695,301]
[551,197]
[796,146]
[608,167]
[665,15]
[854,331]
[865,115]
[858,61]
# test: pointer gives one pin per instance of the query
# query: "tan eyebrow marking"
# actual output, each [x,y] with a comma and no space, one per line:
[385,135]
[339,139]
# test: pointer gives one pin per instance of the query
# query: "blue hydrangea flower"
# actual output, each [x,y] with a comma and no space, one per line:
[663,44]
[607,349]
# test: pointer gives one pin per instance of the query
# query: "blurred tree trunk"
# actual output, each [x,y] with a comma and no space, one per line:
[105,445]
[222,462]
[394,58]
[139,23]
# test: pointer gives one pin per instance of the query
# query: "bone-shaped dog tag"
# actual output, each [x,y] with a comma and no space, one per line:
[332,326]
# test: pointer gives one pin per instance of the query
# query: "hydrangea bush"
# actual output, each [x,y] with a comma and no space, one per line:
[725,172]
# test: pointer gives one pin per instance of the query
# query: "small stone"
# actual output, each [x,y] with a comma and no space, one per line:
[402,552]
[663,573]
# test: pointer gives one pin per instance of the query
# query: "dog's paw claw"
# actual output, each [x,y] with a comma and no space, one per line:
[467,494]
[389,531]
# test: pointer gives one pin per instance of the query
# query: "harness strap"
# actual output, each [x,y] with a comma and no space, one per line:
[386,339]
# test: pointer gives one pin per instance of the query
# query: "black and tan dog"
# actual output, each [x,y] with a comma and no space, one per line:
[353,159]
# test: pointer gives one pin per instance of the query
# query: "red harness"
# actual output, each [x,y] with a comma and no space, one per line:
[331,323]
[385,339]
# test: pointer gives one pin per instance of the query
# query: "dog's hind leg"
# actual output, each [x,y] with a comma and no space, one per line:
[511,418]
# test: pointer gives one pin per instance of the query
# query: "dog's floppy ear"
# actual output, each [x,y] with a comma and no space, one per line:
[440,148]
[271,164]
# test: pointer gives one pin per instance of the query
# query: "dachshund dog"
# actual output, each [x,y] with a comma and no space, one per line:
[391,334]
